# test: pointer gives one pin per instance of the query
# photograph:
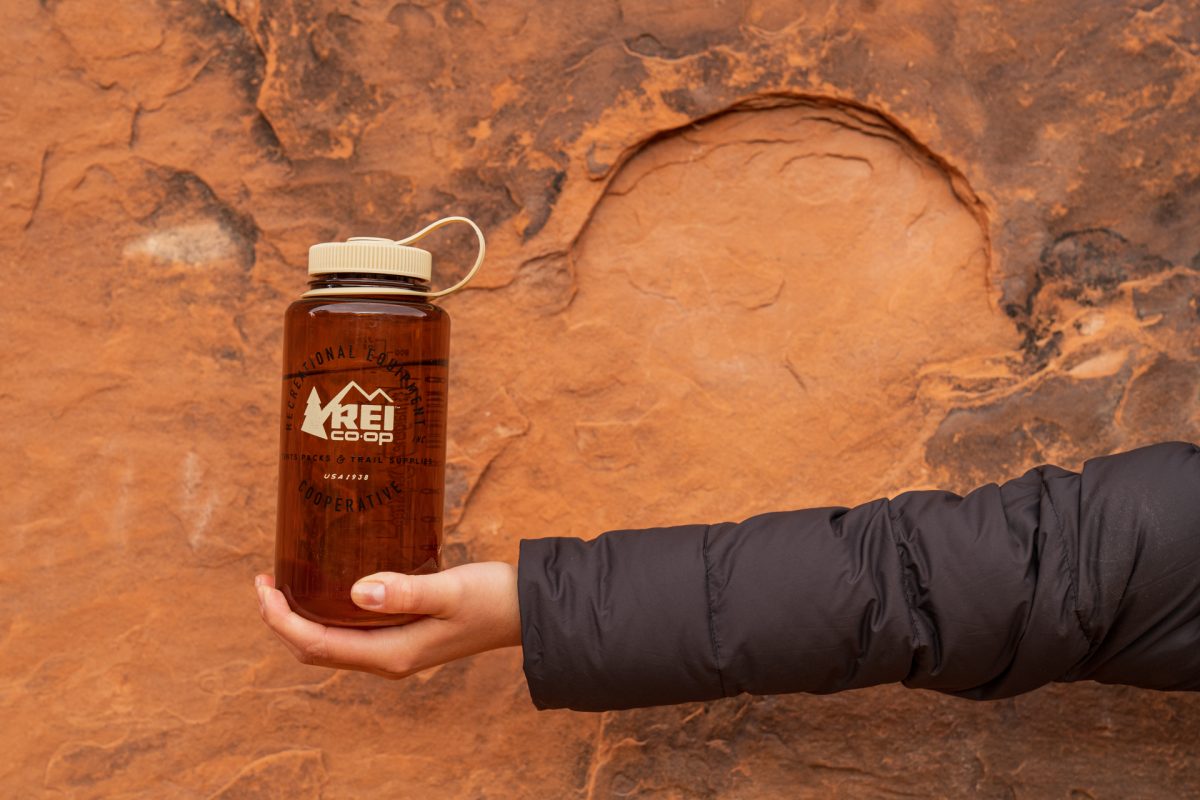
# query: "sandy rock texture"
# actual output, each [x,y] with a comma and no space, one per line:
[745,256]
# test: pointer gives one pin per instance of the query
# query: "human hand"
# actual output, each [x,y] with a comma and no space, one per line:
[467,610]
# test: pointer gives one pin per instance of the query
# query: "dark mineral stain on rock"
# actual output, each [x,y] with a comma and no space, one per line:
[1174,302]
[1046,422]
[1161,402]
[186,198]
[1092,263]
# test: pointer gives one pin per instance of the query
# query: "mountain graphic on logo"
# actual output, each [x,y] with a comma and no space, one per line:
[316,415]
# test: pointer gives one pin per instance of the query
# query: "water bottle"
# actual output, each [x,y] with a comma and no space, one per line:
[362,466]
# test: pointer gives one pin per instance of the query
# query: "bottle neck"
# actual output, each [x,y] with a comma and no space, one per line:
[363,280]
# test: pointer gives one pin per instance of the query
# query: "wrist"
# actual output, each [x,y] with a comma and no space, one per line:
[513,606]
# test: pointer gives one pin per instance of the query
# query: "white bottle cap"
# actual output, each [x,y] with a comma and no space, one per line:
[370,255]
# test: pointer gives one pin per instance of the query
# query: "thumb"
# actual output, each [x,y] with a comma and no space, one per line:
[397,593]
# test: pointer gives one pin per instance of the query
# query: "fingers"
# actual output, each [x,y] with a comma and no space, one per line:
[392,652]
[460,612]
[264,585]
[306,639]
[436,595]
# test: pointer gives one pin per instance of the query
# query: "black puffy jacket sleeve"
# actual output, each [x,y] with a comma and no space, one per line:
[1052,576]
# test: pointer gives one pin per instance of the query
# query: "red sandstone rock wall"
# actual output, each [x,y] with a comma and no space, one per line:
[745,256]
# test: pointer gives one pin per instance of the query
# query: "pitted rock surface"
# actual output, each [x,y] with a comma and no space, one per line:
[745,257]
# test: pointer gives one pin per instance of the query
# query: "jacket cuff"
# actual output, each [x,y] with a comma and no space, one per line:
[620,621]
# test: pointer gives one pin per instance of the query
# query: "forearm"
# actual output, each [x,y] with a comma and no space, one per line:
[1042,578]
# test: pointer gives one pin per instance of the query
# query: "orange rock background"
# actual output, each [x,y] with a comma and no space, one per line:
[744,256]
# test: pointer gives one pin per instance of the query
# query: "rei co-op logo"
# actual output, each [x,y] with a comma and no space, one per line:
[350,422]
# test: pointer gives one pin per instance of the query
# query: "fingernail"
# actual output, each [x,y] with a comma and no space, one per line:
[367,593]
[262,599]
[258,580]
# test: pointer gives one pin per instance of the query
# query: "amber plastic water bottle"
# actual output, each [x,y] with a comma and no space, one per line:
[363,428]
